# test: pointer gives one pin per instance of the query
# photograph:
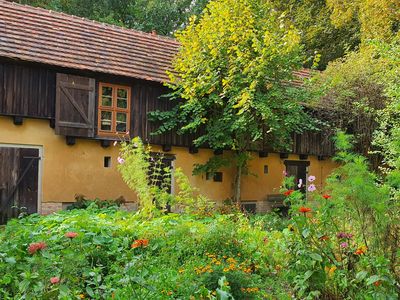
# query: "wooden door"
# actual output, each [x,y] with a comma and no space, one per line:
[298,170]
[19,182]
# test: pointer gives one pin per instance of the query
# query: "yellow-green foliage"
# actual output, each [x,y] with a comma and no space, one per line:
[228,50]
[377,17]
[134,166]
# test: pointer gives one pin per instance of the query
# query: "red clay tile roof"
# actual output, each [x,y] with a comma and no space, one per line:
[39,35]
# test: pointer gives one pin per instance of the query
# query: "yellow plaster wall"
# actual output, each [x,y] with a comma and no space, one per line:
[258,185]
[68,170]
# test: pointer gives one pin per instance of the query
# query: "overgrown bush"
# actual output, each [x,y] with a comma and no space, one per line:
[113,254]
[81,202]
[343,241]
[151,180]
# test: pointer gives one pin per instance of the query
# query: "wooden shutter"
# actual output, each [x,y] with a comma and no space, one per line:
[75,105]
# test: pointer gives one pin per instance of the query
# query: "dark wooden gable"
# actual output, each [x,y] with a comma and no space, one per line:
[26,91]
[75,106]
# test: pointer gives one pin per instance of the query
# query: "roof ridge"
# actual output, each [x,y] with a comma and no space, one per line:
[146,34]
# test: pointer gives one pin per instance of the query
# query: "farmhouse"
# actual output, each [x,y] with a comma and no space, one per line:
[70,87]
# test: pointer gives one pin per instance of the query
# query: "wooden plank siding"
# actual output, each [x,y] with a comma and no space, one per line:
[29,90]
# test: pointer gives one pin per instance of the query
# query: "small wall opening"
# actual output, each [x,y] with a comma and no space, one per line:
[107,161]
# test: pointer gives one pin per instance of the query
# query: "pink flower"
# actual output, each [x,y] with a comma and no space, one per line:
[311,178]
[344,235]
[344,245]
[120,160]
[311,188]
[71,234]
[284,173]
[34,247]
[54,280]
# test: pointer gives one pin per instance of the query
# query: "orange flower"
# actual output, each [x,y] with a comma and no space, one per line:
[140,243]
[304,210]
[361,250]
[288,192]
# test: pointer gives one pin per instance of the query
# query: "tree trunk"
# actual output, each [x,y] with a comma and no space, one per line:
[237,184]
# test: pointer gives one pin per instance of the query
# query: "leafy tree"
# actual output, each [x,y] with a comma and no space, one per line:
[231,81]
[322,40]
[378,18]
[164,17]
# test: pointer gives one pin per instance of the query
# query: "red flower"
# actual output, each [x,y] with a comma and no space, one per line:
[139,243]
[34,247]
[377,283]
[54,280]
[324,238]
[304,210]
[288,192]
[71,234]
[326,196]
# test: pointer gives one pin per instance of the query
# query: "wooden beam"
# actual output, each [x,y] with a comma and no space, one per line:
[166,148]
[193,149]
[105,143]
[263,153]
[70,140]
[218,152]
[18,120]
[284,155]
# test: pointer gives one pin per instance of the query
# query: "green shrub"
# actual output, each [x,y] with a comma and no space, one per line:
[338,243]
[121,255]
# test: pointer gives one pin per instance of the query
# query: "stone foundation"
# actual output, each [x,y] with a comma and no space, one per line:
[50,207]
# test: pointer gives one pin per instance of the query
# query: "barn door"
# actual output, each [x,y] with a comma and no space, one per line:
[19,182]
[75,105]
[298,170]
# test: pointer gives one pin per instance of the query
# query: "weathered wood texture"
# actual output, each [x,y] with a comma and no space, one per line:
[18,182]
[26,91]
[75,106]
[146,98]
[30,91]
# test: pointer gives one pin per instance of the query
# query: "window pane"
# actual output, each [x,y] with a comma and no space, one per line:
[121,127]
[107,91]
[122,93]
[121,122]
[121,117]
[106,96]
[122,103]
[106,101]
[106,120]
